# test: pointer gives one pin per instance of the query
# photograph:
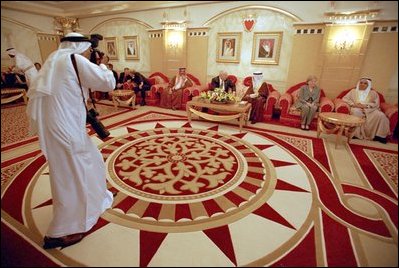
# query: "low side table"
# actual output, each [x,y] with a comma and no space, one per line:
[19,92]
[339,123]
[119,94]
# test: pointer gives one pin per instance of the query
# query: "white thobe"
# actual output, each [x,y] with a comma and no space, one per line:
[25,64]
[377,123]
[77,169]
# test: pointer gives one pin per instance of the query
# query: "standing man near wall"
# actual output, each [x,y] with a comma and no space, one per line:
[23,63]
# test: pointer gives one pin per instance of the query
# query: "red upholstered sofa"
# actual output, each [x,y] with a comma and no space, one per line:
[158,81]
[390,110]
[292,116]
[271,101]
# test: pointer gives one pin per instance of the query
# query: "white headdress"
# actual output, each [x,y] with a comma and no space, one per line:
[362,94]
[43,85]
[11,51]
[257,80]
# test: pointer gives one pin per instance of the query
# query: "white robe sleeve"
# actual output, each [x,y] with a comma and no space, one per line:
[96,77]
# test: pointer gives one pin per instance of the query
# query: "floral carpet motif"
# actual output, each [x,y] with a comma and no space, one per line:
[206,194]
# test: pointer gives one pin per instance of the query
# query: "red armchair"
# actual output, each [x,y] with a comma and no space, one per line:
[271,101]
[390,110]
[292,116]
[158,81]
[192,91]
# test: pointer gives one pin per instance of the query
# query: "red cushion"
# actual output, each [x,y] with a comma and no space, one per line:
[152,81]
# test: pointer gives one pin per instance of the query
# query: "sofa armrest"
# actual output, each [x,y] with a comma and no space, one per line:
[196,90]
[158,88]
[272,100]
[285,102]
[326,105]
[341,106]
[391,111]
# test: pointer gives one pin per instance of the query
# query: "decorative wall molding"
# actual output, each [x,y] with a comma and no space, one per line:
[309,31]
[47,38]
[385,29]
[232,10]
[119,19]
[155,35]
[23,25]
[198,33]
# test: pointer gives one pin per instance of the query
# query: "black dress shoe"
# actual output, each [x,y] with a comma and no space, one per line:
[382,140]
[63,242]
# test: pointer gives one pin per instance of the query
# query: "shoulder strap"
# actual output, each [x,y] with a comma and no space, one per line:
[75,66]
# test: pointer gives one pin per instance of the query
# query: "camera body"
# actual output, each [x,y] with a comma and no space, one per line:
[96,55]
[96,124]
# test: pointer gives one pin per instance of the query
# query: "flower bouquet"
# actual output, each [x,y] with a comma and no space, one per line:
[218,95]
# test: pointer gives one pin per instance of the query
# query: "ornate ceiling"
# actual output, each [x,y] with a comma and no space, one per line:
[80,9]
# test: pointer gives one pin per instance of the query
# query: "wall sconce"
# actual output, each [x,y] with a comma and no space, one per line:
[344,41]
[175,38]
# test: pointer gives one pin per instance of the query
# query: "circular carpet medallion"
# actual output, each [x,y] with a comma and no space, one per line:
[199,194]
[189,179]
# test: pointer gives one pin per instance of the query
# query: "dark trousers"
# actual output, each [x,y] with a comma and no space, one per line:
[142,90]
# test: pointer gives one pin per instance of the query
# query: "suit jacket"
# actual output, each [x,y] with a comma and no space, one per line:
[122,77]
[228,84]
[138,78]
[304,96]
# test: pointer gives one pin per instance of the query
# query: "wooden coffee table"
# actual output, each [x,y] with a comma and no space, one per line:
[127,94]
[338,123]
[231,111]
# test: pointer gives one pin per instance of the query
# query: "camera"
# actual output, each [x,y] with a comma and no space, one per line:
[96,124]
[96,55]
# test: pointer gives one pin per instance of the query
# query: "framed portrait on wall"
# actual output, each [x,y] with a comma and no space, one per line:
[131,47]
[228,47]
[266,47]
[111,48]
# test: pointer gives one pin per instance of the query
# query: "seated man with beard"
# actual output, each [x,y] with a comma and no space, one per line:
[257,95]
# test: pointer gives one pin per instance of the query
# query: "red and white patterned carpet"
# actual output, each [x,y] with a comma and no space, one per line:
[205,194]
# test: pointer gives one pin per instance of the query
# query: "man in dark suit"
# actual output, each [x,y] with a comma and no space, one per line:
[124,77]
[141,84]
[221,81]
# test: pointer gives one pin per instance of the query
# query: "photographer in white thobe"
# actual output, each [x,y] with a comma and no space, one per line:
[58,115]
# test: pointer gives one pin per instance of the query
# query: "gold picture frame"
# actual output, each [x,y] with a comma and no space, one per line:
[131,47]
[266,47]
[228,47]
[111,47]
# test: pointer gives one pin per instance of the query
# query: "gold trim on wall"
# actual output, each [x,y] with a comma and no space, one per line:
[33,29]
[120,19]
[278,10]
